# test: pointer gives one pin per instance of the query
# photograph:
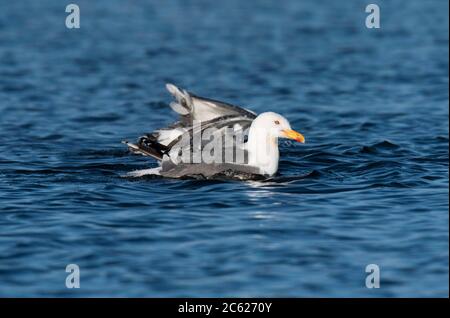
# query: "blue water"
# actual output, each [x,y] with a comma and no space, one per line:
[370,185]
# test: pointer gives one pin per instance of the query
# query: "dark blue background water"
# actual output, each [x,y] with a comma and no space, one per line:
[371,103]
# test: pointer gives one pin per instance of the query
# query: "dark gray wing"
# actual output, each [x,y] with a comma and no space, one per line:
[196,115]
[221,125]
[213,170]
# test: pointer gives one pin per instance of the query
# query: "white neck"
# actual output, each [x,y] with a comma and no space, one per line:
[262,149]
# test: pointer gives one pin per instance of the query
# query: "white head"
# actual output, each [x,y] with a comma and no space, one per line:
[263,140]
[275,126]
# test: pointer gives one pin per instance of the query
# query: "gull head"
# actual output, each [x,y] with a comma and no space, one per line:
[278,127]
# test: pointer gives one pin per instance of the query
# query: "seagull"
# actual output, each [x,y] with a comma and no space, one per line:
[254,137]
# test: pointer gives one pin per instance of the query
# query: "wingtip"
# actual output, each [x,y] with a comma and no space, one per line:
[171,88]
[178,108]
[130,145]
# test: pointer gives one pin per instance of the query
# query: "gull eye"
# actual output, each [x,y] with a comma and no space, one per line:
[277,122]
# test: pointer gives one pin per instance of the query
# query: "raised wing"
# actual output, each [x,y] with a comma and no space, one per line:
[197,116]
[195,108]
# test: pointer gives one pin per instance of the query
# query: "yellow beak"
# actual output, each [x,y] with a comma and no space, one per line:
[292,134]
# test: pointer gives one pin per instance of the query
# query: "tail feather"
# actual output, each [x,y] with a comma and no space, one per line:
[147,146]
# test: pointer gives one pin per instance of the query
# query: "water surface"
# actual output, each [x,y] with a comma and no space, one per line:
[370,186]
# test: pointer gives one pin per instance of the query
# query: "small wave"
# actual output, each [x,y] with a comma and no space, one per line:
[106,118]
[100,153]
[285,179]
[376,148]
